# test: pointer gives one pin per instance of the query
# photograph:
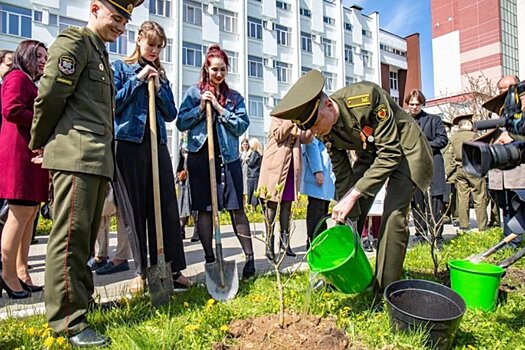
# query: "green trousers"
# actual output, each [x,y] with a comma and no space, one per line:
[466,185]
[393,232]
[77,208]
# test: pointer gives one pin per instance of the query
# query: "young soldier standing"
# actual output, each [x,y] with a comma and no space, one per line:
[74,122]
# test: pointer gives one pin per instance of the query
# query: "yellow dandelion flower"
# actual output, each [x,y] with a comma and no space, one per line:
[191,327]
[61,340]
[224,328]
[210,303]
[49,342]
[31,331]
[186,304]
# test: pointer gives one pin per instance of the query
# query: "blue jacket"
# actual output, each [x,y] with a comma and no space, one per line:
[230,126]
[131,103]
[315,159]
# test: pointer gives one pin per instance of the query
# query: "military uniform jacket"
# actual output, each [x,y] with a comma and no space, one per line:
[454,152]
[384,136]
[74,109]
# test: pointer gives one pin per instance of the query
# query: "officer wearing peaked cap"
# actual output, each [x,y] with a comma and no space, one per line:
[73,125]
[389,146]
[466,184]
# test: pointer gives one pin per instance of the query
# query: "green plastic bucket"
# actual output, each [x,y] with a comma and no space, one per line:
[337,255]
[477,283]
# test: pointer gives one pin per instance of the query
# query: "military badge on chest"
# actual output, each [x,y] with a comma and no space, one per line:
[381,113]
[67,65]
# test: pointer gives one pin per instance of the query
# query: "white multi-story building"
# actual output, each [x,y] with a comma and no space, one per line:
[270,44]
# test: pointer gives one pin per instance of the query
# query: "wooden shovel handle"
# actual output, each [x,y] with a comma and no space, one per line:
[213,174]
[152,115]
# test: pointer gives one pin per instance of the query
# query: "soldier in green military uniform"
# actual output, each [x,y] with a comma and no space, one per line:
[389,146]
[466,184]
[73,124]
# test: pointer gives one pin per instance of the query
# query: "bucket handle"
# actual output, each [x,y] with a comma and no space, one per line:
[323,220]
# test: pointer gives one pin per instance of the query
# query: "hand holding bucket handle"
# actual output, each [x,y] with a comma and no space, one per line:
[322,221]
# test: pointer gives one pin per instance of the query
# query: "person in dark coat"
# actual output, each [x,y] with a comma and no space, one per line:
[434,130]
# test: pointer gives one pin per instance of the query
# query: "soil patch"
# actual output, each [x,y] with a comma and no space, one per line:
[514,278]
[300,332]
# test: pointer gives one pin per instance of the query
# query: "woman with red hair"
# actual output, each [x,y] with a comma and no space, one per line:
[230,122]
[23,182]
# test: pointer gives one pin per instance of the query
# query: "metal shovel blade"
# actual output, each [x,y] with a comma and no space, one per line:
[160,282]
[226,289]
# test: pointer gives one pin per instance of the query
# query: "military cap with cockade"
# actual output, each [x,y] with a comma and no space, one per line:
[124,7]
[301,102]
[456,120]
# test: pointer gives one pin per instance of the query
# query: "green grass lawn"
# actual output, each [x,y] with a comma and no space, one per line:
[193,321]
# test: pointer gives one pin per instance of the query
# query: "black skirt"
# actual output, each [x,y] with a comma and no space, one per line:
[229,181]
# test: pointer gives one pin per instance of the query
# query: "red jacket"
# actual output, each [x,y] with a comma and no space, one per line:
[19,178]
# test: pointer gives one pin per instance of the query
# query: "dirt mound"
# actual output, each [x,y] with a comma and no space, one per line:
[304,332]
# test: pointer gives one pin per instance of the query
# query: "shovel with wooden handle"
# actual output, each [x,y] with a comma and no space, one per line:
[159,277]
[478,257]
[222,279]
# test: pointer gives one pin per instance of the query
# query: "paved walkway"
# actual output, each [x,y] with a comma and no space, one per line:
[116,285]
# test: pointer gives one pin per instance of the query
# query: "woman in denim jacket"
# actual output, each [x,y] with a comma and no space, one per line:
[133,150]
[230,122]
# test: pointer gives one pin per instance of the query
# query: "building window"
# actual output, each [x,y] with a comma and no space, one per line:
[350,80]
[131,36]
[233,60]
[66,22]
[348,26]
[509,37]
[305,12]
[283,5]
[330,81]
[305,70]
[192,12]
[15,20]
[283,35]
[367,58]
[329,20]
[119,46]
[254,28]
[167,53]
[284,71]
[393,50]
[329,47]
[366,33]
[306,42]
[349,54]
[393,81]
[227,20]
[160,7]
[191,54]
[255,66]
[255,106]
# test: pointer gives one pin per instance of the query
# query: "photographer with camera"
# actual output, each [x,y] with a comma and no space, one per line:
[503,183]
[466,183]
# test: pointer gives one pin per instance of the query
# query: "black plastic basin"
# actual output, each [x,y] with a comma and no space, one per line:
[420,304]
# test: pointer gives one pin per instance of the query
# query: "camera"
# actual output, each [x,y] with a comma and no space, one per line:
[479,157]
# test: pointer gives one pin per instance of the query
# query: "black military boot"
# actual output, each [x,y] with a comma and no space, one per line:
[249,267]
[285,243]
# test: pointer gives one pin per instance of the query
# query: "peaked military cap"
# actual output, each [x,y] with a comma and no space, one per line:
[456,120]
[490,136]
[301,102]
[124,7]
[496,103]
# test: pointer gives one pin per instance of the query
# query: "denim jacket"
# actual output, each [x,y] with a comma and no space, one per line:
[131,103]
[230,126]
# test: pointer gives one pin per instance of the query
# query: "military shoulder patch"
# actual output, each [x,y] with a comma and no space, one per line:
[381,113]
[67,65]
[358,101]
